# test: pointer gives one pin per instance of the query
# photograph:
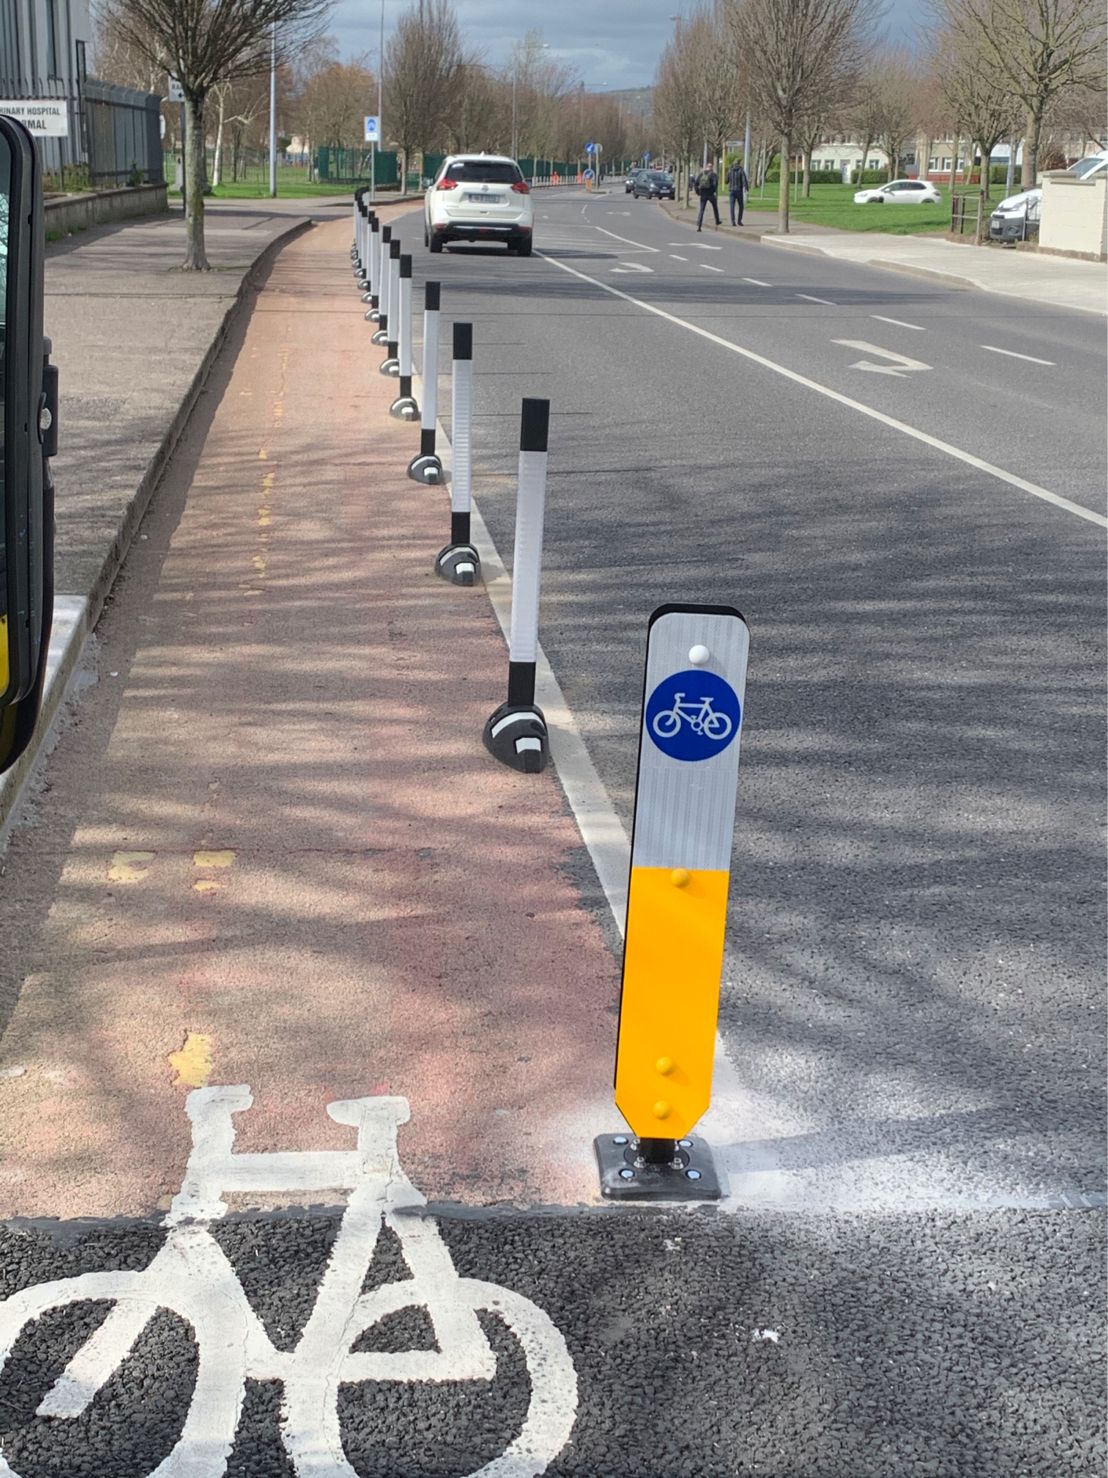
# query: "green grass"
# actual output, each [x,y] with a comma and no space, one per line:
[833,205]
[292,184]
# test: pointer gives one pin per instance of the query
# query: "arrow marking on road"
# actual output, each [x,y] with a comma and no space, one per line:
[900,366]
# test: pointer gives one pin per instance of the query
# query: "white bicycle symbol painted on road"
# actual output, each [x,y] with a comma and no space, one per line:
[700,716]
[192,1277]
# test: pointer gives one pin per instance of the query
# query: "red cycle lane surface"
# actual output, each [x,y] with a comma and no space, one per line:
[271,849]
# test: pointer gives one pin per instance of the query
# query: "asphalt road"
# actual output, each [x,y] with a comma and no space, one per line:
[908,1275]
[913,991]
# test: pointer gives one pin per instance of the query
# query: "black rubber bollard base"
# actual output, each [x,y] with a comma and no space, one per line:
[458,563]
[425,468]
[516,735]
[625,1176]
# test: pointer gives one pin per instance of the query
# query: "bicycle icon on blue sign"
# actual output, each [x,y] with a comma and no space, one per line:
[693,715]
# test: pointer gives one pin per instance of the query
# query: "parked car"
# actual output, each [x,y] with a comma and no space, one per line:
[1091,166]
[655,184]
[1017,217]
[479,197]
[899,192]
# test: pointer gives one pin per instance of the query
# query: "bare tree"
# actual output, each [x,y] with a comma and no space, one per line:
[714,77]
[979,97]
[895,94]
[678,104]
[332,104]
[423,75]
[798,52]
[1041,48]
[203,43]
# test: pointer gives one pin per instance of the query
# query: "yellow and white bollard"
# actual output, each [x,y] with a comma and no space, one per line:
[677,902]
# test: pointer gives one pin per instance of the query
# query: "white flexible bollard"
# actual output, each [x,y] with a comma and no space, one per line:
[384,285]
[427,467]
[459,561]
[516,732]
[404,407]
[390,365]
[378,251]
[373,255]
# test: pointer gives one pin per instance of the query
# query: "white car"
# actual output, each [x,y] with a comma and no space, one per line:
[479,197]
[1017,217]
[899,192]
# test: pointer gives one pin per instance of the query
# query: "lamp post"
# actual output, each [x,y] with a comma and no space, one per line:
[273,111]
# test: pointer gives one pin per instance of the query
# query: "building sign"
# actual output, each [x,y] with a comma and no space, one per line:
[47,117]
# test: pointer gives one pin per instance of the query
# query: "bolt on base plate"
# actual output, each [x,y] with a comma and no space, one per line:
[624,1176]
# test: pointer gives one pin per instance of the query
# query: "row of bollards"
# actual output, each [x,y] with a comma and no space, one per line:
[516,733]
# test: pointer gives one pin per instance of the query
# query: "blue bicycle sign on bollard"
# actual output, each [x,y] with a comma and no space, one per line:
[693,715]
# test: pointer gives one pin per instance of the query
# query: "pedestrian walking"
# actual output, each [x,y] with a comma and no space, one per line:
[707,183]
[737,186]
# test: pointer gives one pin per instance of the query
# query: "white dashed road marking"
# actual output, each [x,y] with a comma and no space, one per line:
[707,267]
[808,298]
[899,323]
[925,437]
[676,258]
[1011,353]
[756,282]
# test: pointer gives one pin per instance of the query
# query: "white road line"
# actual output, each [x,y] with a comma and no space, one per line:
[641,245]
[856,405]
[707,267]
[899,323]
[632,267]
[827,303]
[756,281]
[1011,353]
[699,245]
[676,258]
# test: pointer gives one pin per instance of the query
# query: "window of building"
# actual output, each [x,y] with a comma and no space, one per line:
[52,50]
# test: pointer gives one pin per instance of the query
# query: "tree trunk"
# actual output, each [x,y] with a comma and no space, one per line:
[1030,167]
[217,164]
[986,152]
[783,188]
[196,259]
[808,172]
[954,163]
[867,146]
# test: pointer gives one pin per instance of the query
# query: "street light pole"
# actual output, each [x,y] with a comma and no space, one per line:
[273,111]
[374,143]
[515,79]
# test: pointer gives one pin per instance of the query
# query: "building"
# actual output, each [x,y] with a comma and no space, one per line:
[88,132]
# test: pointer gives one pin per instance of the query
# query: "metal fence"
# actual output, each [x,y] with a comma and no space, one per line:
[122,135]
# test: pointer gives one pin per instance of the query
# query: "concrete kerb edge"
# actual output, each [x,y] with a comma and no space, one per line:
[76,616]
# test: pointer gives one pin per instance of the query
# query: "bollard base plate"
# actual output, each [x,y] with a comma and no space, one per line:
[459,563]
[516,735]
[425,468]
[404,408]
[690,1176]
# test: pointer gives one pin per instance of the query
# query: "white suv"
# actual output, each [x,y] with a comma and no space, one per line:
[479,197]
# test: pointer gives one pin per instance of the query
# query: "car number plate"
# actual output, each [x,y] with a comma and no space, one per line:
[486,199]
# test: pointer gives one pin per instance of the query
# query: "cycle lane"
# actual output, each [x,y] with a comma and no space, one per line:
[273,850]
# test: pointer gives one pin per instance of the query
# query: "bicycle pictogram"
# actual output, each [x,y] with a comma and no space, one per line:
[700,716]
[192,1277]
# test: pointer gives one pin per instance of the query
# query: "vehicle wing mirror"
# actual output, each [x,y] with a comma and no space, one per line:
[28,437]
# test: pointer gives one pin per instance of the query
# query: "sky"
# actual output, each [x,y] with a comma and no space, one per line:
[607,44]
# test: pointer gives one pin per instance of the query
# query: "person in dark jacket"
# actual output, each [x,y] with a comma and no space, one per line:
[707,183]
[737,185]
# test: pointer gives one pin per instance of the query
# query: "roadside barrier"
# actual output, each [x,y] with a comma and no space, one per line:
[384,288]
[688,761]
[379,311]
[459,562]
[426,467]
[516,732]
[390,365]
[373,264]
[363,248]
[683,828]
[404,407]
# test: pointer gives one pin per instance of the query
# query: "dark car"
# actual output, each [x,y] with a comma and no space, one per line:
[632,175]
[655,184]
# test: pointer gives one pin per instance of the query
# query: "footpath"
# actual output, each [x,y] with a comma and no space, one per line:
[1057,282]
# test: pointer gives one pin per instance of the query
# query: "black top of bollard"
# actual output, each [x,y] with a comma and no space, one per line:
[463,341]
[405,266]
[534,425]
[431,293]
[394,248]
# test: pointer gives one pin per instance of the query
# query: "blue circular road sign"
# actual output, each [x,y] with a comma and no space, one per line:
[693,715]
